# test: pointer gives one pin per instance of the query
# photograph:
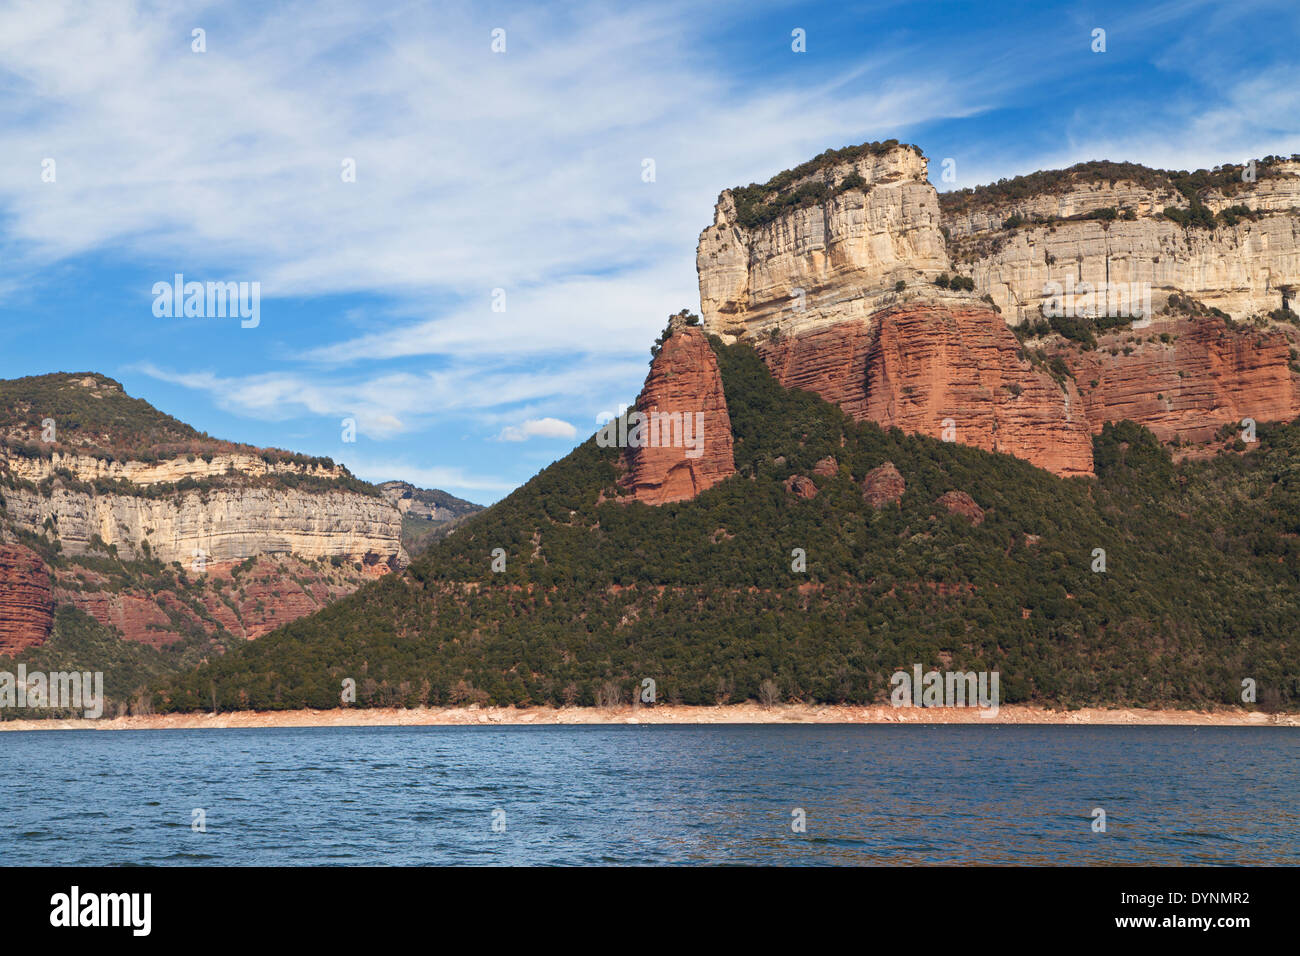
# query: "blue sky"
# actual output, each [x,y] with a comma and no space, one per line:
[519,171]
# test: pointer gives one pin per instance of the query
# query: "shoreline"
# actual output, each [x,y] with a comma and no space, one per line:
[746,713]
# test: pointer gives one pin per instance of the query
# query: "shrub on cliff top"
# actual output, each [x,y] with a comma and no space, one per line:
[758,204]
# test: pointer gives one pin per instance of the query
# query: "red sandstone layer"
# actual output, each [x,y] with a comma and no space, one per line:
[684,383]
[26,603]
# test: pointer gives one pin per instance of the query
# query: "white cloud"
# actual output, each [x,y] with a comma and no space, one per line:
[474,170]
[538,428]
[388,405]
[454,480]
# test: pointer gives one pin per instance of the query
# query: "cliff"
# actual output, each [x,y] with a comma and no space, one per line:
[26,603]
[772,259]
[1085,229]
[164,534]
[947,370]
[1184,377]
[836,272]
[223,524]
[684,444]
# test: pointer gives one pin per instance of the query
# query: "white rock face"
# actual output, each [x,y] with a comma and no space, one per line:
[88,468]
[823,262]
[840,259]
[226,524]
[229,523]
[1081,198]
[1245,270]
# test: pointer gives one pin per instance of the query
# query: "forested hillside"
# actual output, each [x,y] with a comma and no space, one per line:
[1200,589]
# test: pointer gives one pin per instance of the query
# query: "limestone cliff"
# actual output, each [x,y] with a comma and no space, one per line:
[1245,265]
[684,444]
[162,533]
[830,271]
[223,524]
[803,263]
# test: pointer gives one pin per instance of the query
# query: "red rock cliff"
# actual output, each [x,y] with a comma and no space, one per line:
[917,365]
[26,603]
[689,449]
[1200,376]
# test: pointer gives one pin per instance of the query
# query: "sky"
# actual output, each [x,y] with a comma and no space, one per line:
[487,285]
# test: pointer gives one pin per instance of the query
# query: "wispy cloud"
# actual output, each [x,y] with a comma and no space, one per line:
[387,405]
[538,428]
[522,172]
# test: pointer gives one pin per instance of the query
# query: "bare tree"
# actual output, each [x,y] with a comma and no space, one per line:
[723,693]
[609,696]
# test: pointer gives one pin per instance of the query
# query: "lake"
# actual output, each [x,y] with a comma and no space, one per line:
[652,795]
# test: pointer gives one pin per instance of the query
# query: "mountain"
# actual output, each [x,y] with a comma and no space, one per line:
[855,279]
[1003,429]
[165,538]
[426,514]
[917,550]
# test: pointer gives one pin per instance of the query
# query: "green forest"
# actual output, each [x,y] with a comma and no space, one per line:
[1200,588]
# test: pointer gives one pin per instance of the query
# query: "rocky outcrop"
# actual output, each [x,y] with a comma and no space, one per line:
[678,439]
[26,602]
[826,467]
[1185,378]
[949,369]
[883,486]
[834,260]
[960,503]
[801,486]
[223,524]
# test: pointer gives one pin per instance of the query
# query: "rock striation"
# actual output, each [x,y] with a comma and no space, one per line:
[1184,377]
[223,524]
[1247,268]
[949,370]
[26,601]
[88,468]
[684,444]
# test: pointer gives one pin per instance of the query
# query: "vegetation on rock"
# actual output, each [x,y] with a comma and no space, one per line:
[1201,588]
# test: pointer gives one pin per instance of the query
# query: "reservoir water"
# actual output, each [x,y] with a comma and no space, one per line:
[717,794]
